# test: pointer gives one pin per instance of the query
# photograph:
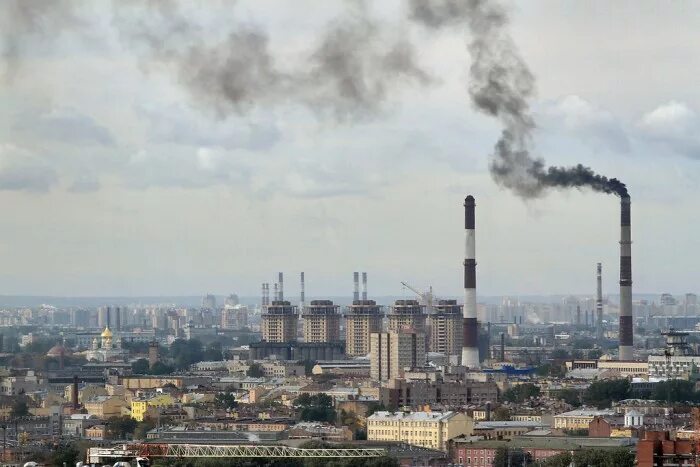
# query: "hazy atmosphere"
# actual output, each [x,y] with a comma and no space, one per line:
[132,166]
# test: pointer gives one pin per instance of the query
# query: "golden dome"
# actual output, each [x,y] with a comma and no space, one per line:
[106,333]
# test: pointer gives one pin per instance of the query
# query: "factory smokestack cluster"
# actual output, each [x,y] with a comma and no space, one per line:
[626,336]
[470,346]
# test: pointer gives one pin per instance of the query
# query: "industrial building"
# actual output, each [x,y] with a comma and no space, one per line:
[426,429]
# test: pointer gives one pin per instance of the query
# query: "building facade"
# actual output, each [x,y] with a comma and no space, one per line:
[279,322]
[391,353]
[445,323]
[321,322]
[362,318]
[426,429]
[406,315]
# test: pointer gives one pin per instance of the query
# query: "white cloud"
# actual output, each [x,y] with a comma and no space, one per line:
[590,122]
[674,125]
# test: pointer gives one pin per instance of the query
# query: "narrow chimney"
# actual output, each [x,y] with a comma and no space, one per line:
[626,335]
[503,347]
[578,315]
[303,291]
[470,349]
[275,292]
[364,286]
[356,286]
[281,285]
[599,301]
[74,392]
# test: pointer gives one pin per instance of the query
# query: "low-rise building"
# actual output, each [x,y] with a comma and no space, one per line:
[506,429]
[400,393]
[579,419]
[105,406]
[139,407]
[425,429]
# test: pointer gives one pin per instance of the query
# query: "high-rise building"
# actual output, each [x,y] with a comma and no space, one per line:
[321,322]
[279,322]
[446,334]
[406,315]
[391,353]
[209,301]
[362,318]
[234,317]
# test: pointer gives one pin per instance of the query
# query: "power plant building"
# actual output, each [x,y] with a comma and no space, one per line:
[321,322]
[362,318]
[279,322]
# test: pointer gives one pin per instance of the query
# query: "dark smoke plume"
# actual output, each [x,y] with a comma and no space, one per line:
[501,85]
[348,74]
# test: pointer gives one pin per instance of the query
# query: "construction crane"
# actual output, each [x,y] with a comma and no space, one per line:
[426,298]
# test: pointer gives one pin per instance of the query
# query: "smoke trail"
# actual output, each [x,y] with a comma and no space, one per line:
[501,85]
[348,74]
[24,22]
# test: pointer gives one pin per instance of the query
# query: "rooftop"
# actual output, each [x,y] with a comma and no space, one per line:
[412,416]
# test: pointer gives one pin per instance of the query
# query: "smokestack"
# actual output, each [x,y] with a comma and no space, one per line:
[599,301]
[303,291]
[356,286]
[470,349]
[626,336]
[275,292]
[281,283]
[364,286]
[74,392]
[578,315]
[503,347]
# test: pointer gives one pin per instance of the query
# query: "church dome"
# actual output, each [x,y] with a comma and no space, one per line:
[106,333]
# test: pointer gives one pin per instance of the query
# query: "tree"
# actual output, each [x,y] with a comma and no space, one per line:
[186,352]
[65,455]
[570,396]
[619,457]
[316,408]
[213,352]
[603,393]
[521,393]
[140,367]
[160,368]
[675,390]
[510,457]
[374,407]
[120,427]
[142,428]
[560,460]
[255,371]
[501,414]
[19,409]
[225,401]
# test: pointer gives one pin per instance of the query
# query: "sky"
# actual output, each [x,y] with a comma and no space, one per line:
[124,172]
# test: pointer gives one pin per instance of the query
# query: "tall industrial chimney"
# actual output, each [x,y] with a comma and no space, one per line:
[599,301]
[303,291]
[276,292]
[356,286]
[281,285]
[626,336]
[364,286]
[470,349]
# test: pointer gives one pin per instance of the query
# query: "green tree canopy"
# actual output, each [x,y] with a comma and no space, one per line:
[521,393]
[603,393]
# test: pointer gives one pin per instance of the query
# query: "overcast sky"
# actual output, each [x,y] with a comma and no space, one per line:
[119,176]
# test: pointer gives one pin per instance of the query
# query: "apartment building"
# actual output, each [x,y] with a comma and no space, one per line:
[391,353]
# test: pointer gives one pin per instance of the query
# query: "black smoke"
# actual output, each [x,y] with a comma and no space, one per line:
[501,86]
